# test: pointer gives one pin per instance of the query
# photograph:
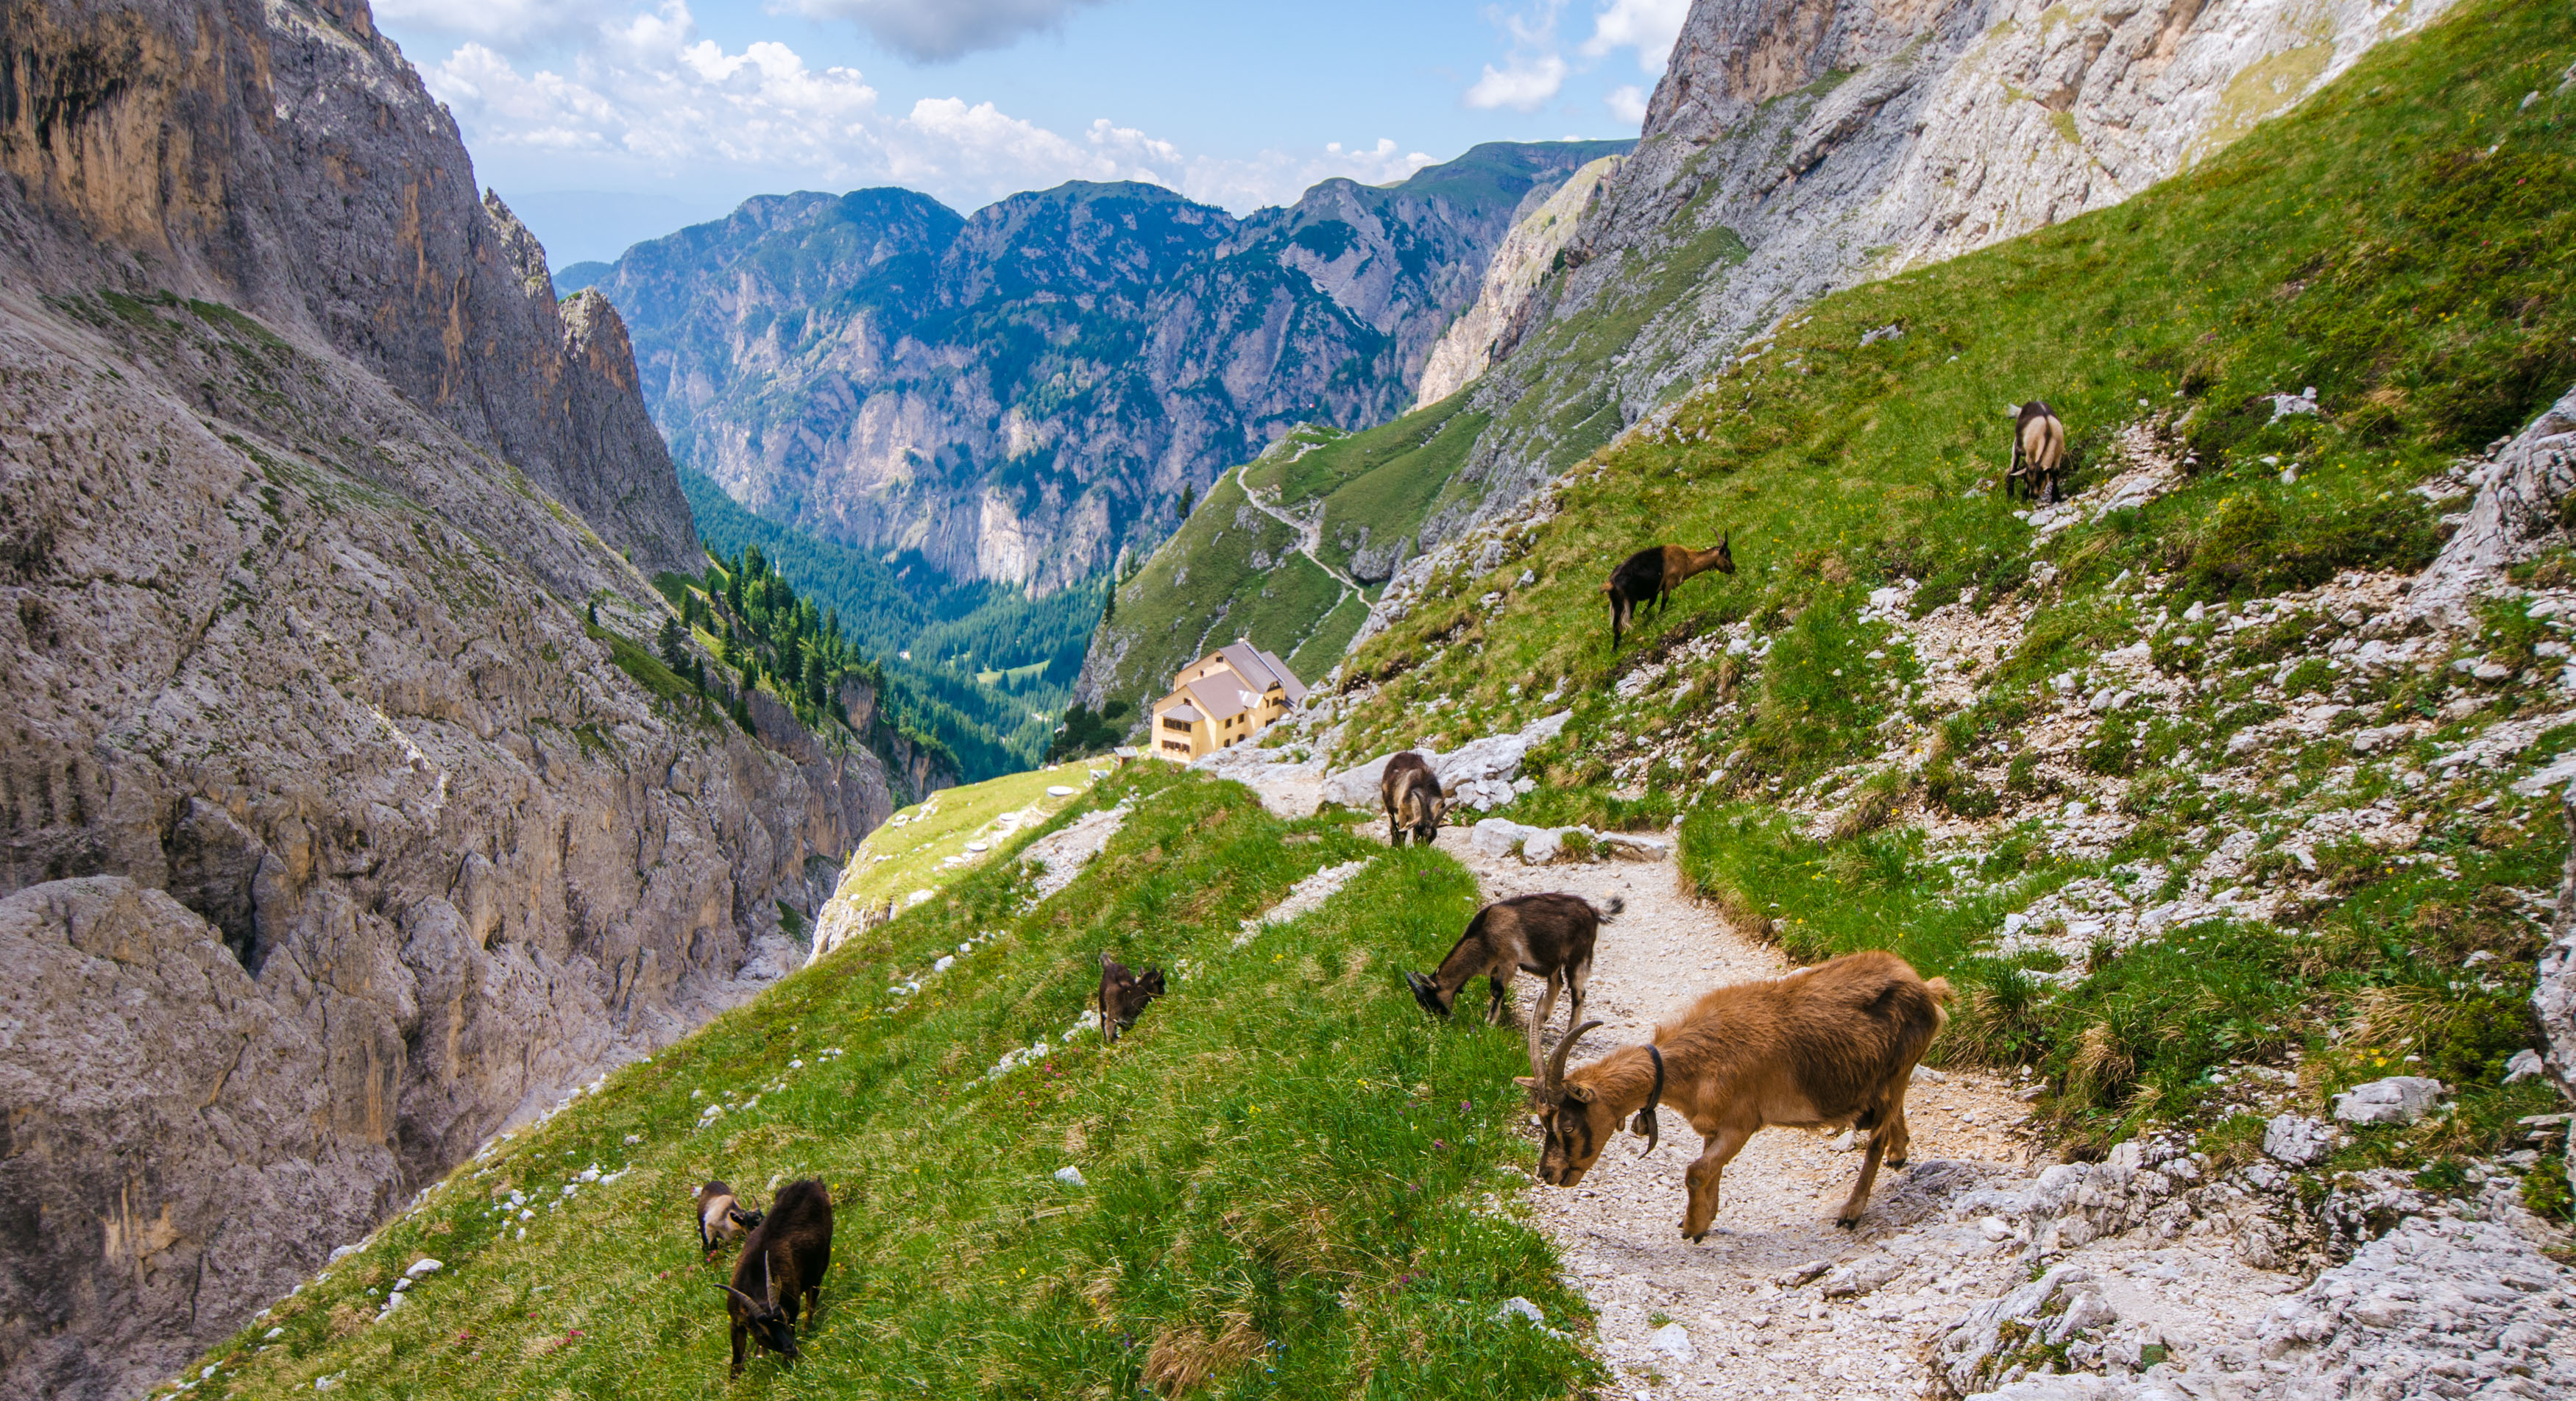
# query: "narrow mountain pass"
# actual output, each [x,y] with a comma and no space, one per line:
[1747,1312]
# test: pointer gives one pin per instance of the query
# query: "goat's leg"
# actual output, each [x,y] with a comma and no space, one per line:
[1900,1136]
[738,1331]
[1849,1216]
[1546,1011]
[1577,978]
[1716,1152]
[1499,982]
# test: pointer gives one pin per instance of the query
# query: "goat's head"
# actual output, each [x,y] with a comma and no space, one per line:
[1575,1124]
[1726,553]
[745,1219]
[763,1318]
[1428,993]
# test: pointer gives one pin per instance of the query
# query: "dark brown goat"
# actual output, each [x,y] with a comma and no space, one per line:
[781,1265]
[1548,936]
[1123,996]
[2038,454]
[1414,802]
[721,1218]
[1650,575]
[1826,1046]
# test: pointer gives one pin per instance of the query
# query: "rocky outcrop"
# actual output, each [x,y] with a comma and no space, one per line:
[2520,509]
[1526,255]
[1017,394]
[333,835]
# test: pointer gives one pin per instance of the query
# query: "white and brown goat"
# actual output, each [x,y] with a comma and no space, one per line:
[1825,1047]
[1414,801]
[2038,454]
[721,1218]
[1650,575]
[1548,936]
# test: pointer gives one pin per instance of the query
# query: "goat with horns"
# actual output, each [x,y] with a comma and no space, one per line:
[1824,1047]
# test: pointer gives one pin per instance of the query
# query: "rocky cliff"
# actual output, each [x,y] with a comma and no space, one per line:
[1525,257]
[1017,394]
[333,836]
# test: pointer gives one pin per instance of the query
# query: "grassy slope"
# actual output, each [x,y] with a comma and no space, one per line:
[914,845]
[2403,243]
[1201,586]
[1285,1163]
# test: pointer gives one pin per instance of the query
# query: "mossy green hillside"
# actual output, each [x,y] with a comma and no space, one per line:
[2402,242]
[1288,1172]
[913,850]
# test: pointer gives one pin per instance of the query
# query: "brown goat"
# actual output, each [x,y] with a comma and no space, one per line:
[721,1219]
[1414,802]
[1548,936]
[1650,575]
[1123,996]
[2038,454]
[781,1265]
[1824,1047]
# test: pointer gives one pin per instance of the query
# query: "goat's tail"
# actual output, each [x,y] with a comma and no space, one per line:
[1939,988]
[1618,905]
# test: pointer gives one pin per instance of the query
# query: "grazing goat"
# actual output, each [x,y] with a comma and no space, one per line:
[1827,1046]
[1548,935]
[1123,996]
[721,1218]
[2038,454]
[1650,575]
[1414,802]
[781,1265]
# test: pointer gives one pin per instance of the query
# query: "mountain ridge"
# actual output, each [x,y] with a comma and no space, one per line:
[1019,394]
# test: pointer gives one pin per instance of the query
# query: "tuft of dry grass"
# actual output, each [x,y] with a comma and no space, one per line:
[1184,1358]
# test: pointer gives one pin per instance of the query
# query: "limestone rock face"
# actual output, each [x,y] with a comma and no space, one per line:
[332,836]
[1526,256]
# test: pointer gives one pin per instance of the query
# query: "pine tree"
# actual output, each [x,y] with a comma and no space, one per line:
[673,651]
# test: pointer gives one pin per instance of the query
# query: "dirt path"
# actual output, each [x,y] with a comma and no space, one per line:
[1748,1325]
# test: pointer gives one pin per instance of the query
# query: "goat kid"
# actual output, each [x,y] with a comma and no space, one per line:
[1650,575]
[1825,1047]
[1123,996]
[1548,936]
[783,1262]
[2038,454]
[721,1219]
[1413,798]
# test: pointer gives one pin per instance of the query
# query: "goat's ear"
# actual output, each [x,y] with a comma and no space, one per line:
[1526,1082]
[1580,1094]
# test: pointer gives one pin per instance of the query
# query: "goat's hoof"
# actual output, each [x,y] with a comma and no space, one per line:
[1848,1223]
[1897,1162]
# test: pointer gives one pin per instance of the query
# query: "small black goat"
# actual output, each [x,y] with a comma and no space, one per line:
[1549,936]
[721,1218]
[1414,802]
[1123,996]
[782,1265]
[1650,575]
[2038,454]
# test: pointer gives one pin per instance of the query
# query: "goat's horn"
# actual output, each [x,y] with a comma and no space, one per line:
[1556,1063]
[769,1283]
[747,1301]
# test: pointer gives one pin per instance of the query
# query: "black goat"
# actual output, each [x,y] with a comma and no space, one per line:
[1414,801]
[1549,936]
[721,1218]
[1123,996]
[782,1265]
[1650,575]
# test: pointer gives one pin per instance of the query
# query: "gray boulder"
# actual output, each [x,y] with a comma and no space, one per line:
[2398,1099]
[2297,1140]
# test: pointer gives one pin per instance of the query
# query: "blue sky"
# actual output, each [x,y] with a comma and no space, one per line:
[606,121]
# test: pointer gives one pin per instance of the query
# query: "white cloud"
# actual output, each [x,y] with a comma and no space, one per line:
[1627,102]
[1524,84]
[649,98]
[1534,71]
[927,31]
[1648,26]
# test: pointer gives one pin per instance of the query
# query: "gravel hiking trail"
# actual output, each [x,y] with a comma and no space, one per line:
[1748,1312]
